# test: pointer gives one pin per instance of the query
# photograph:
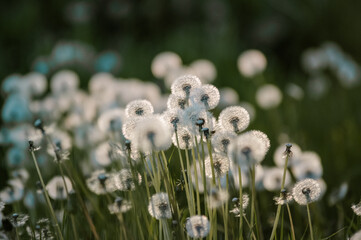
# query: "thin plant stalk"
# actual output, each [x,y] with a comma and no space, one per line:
[60,235]
[309,221]
[253,189]
[291,222]
[279,206]
[240,203]
[189,184]
[196,181]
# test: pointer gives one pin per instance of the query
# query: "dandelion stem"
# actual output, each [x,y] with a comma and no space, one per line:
[196,181]
[291,222]
[279,206]
[309,221]
[189,183]
[60,235]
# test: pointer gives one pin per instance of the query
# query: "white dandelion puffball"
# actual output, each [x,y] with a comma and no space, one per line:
[119,206]
[173,117]
[111,120]
[268,96]
[247,149]
[306,191]
[220,165]
[56,187]
[262,136]
[198,226]
[217,198]
[164,62]
[100,83]
[205,69]
[251,63]
[159,206]
[207,95]
[221,140]
[273,177]
[356,208]
[182,86]
[228,97]
[100,182]
[64,82]
[176,101]
[124,180]
[279,156]
[139,108]
[152,133]
[36,83]
[129,127]
[185,138]
[234,119]
[196,112]
[104,154]
[356,236]
[308,166]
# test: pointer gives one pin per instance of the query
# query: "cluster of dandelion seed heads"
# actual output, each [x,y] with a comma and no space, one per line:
[306,191]
[159,206]
[220,165]
[139,108]
[234,119]
[198,226]
[207,95]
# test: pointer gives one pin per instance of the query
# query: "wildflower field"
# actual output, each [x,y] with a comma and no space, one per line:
[122,125]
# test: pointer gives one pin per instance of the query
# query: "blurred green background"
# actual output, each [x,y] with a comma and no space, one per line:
[219,31]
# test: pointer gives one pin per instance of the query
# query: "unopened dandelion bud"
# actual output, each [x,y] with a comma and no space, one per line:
[200,122]
[38,124]
[102,178]
[206,132]
[288,151]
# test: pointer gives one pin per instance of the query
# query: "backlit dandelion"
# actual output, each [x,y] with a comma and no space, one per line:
[221,140]
[237,207]
[164,62]
[272,179]
[263,137]
[56,188]
[306,191]
[220,165]
[309,166]
[119,205]
[64,82]
[159,206]
[280,155]
[285,198]
[173,117]
[195,114]
[251,63]
[234,119]
[139,108]
[18,219]
[111,120]
[185,138]
[268,96]
[356,208]
[182,86]
[124,180]
[198,226]
[100,182]
[207,95]
[177,101]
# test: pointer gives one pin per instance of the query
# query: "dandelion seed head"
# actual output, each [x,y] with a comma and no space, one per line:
[176,101]
[185,138]
[221,140]
[263,137]
[272,180]
[356,208]
[205,69]
[159,206]
[279,155]
[64,82]
[234,119]
[220,165]
[182,86]
[173,118]
[129,127]
[124,181]
[247,149]
[100,182]
[356,236]
[14,191]
[237,207]
[285,198]
[164,62]
[228,97]
[306,191]
[106,153]
[217,197]
[139,108]
[111,120]
[193,114]
[56,188]
[207,95]
[268,96]
[18,219]
[152,133]
[35,83]
[198,226]
[309,166]
[119,205]
[251,63]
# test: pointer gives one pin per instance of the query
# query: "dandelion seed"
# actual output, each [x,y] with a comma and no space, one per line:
[152,133]
[198,226]
[220,165]
[285,198]
[124,181]
[247,149]
[217,198]
[236,207]
[111,120]
[120,205]
[56,188]
[164,62]
[222,139]
[273,177]
[18,220]
[138,108]
[280,155]
[268,96]
[251,63]
[306,191]
[177,102]
[159,206]
[356,208]
[182,86]
[207,95]
[234,119]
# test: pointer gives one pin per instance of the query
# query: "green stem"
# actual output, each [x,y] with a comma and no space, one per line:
[309,221]
[291,222]
[240,203]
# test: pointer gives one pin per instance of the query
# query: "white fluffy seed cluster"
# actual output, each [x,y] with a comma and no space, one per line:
[198,226]
[306,191]
[159,206]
